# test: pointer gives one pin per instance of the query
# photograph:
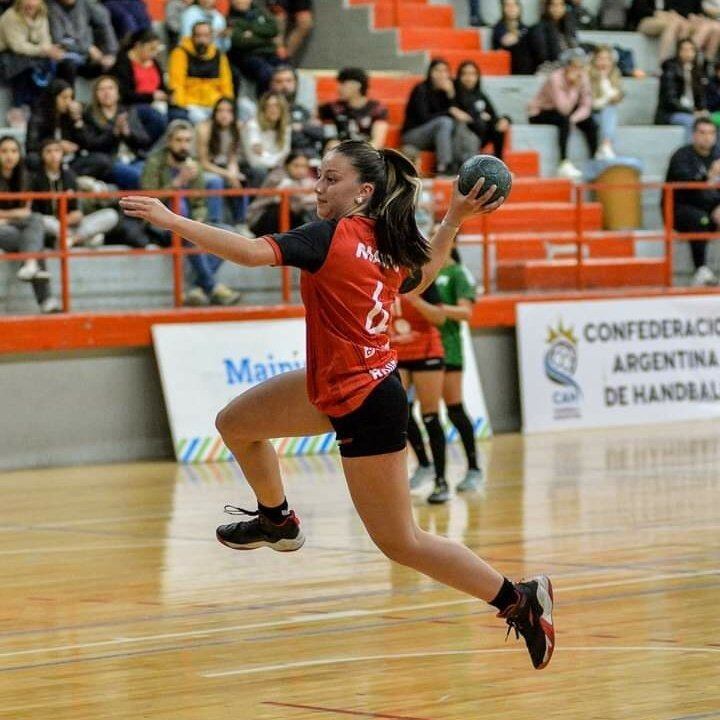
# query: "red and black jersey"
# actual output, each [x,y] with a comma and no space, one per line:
[412,334]
[348,296]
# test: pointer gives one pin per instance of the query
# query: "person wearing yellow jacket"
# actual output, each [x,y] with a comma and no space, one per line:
[198,75]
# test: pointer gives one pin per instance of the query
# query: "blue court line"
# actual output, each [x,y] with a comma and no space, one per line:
[190,449]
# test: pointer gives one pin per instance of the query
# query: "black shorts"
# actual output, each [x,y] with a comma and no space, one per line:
[379,425]
[424,365]
[290,7]
[453,368]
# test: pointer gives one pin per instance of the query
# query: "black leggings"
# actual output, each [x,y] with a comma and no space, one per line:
[588,127]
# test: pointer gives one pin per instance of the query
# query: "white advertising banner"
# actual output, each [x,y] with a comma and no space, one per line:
[618,362]
[204,365]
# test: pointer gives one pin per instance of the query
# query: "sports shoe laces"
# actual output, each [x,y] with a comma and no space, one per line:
[235,510]
[517,618]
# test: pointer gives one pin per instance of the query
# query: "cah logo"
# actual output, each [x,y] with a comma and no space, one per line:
[561,361]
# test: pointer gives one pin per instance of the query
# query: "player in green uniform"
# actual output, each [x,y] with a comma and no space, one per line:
[456,286]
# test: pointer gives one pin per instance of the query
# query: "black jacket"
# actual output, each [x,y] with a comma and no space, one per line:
[520,61]
[100,136]
[425,104]
[672,83]
[546,40]
[42,126]
[475,103]
[687,165]
[40,182]
[126,79]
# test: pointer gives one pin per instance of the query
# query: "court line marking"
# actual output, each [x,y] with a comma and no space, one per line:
[314,617]
[357,713]
[342,660]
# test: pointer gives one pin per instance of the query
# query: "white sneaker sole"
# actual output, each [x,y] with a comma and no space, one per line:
[284,545]
[545,598]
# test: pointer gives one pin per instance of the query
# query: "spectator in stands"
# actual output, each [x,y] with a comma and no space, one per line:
[266,137]
[199,75]
[141,81]
[295,20]
[306,130]
[173,17]
[82,28]
[83,229]
[354,116]
[607,92]
[682,89]
[253,38]
[128,16]
[511,34]
[698,210]
[171,166]
[21,230]
[565,100]
[712,94]
[655,18]
[486,123]
[220,154]
[27,54]
[433,120]
[204,11]
[263,213]
[59,116]
[476,19]
[118,131]
[704,31]
[555,33]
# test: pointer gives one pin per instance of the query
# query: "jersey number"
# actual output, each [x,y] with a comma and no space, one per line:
[377,310]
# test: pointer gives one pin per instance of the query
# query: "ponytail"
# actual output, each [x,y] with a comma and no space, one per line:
[397,188]
[396,230]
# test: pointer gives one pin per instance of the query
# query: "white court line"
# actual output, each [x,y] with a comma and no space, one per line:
[315,618]
[445,653]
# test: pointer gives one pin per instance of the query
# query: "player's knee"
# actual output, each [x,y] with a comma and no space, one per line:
[229,424]
[400,548]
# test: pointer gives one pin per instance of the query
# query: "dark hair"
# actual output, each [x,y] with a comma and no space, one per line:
[284,67]
[685,41]
[392,203]
[17,181]
[47,142]
[293,155]
[46,104]
[214,139]
[139,37]
[546,10]
[355,74]
[433,64]
[197,24]
[702,121]
[461,67]
[455,255]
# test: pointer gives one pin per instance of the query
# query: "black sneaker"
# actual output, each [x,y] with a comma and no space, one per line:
[260,532]
[531,617]
[441,493]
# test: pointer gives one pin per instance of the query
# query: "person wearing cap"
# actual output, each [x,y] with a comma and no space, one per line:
[565,100]
[353,116]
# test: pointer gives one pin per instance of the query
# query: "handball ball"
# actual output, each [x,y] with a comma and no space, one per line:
[489,167]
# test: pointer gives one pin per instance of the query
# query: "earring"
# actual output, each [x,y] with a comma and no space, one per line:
[358,201]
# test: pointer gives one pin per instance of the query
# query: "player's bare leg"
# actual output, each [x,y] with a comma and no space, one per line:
[379,489]
[278,407]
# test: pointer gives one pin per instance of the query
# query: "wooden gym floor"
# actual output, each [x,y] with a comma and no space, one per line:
[117,602]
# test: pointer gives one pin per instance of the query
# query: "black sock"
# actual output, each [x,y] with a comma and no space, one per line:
[415,439]
[506,597]
[436,436]
[276,514]
[459,418]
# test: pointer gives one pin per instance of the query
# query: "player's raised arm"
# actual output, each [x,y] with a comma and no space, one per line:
[461,208]
[223,243]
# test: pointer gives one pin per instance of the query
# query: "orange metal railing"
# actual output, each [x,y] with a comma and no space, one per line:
[486,238]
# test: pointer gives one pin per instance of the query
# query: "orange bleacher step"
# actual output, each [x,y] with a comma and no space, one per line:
[539,217]
[527,246]
[413,15]
[491,62]
[386,88]
[437,40]
[564,274]
[524,190]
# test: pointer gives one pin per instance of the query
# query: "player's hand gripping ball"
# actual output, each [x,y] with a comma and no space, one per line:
[489,167]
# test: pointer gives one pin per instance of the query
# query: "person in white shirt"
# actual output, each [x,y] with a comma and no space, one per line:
[266,137]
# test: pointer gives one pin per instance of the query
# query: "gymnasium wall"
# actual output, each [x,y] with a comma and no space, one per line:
[106,406]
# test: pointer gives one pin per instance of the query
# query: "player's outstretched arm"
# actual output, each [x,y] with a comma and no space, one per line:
[461,208]
[223,243]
